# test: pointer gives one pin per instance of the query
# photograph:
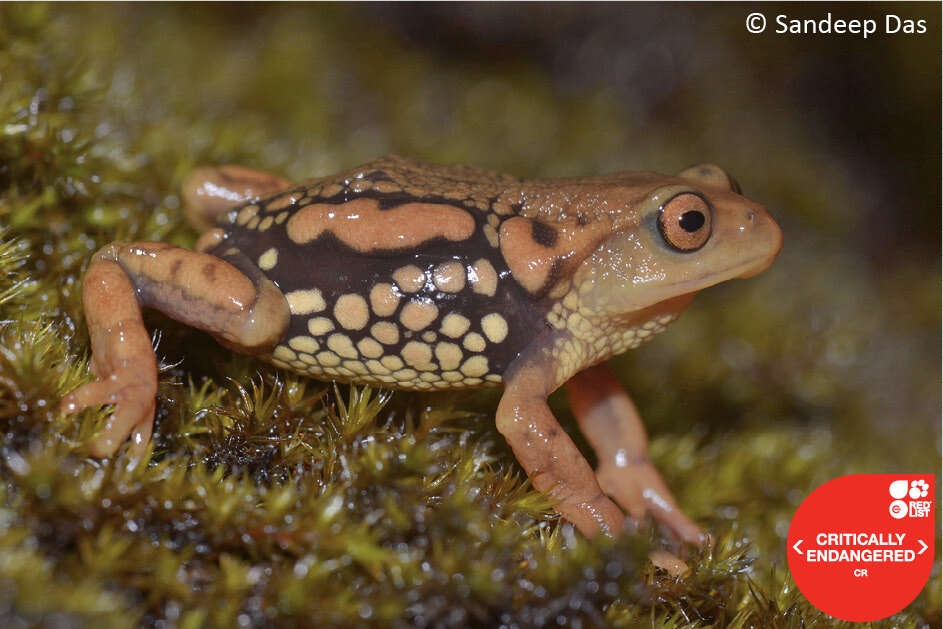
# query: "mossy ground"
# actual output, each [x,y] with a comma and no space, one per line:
[269,500]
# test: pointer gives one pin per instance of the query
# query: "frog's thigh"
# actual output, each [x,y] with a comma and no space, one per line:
[210,191]
[613,427]
[550,458]
[242,309]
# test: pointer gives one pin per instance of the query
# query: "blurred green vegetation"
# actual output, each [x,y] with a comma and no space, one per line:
[268,500]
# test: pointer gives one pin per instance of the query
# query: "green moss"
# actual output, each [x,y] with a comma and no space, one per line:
[266,499]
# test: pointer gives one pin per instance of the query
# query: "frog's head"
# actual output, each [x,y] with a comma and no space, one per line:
[682,234]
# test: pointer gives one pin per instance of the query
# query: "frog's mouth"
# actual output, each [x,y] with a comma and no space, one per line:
[752,267]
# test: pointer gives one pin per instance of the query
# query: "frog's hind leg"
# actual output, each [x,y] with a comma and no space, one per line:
[211,191]
[613,427]
[241,308]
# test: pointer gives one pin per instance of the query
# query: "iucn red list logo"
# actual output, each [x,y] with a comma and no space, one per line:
[860,547]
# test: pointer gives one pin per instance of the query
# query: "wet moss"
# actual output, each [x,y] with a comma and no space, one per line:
[270,500]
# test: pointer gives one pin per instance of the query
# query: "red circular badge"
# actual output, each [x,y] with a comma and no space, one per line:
[860,547]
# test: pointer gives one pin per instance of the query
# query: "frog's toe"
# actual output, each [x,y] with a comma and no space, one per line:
[133,410]
[134,402]
[639,489]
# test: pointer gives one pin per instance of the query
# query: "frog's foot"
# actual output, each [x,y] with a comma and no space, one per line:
[210,191]
[612,425]
[132,390]
[246,313]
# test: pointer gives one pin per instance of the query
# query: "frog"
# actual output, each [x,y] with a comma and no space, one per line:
[407,275]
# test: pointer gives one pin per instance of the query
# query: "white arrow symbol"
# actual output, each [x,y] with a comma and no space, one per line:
[795,547]
[924,549]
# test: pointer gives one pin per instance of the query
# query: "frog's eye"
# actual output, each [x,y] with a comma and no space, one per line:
[685,222]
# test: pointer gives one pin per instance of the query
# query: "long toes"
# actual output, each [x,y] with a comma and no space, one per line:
[682,526]
[130,412]
[140,437]
[594,516]
[639,490]
[90,394]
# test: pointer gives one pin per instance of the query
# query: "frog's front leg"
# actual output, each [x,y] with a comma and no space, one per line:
[243,310]
[547,453]
[613,427]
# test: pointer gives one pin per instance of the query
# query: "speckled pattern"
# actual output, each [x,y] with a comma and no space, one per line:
[446,313]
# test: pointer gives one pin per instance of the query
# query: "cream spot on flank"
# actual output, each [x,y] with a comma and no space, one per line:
[351,311]
[385,332]
[383,299]
[282,201]
[495,327]
[409,278]
[307,359]
[449,277]
[266,223]
[405,374]
[492,235]
[428,336]
[449,355]
[473,381]
[493,377]
[392,362]
[484,279]
[454,325]
[246,213]
[327,359]
[429,376]
[452,376]
[284,354]
[281,217]
[377,368]
[475,366]
[302,302]
[320,326]
[269,259]
[253,222]
[370,348]
[474,342]
[342,345]
[418,355]
[416,315]
[304,344]
[356,366]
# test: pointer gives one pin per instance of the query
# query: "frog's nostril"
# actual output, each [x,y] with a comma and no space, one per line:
[751,215]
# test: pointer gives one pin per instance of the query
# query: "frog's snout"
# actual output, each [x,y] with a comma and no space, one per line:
[765,238]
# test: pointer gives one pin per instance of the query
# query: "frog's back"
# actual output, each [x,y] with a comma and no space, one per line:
[393,273]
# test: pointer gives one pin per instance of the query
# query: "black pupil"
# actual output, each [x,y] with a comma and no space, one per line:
[691,221]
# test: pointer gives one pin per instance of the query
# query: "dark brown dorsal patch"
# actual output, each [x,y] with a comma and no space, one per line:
[543,234]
